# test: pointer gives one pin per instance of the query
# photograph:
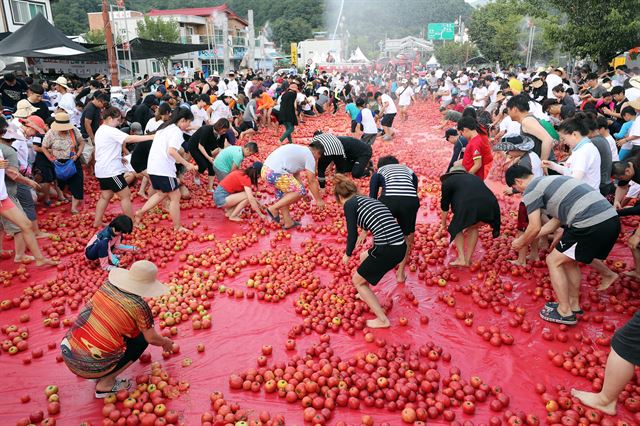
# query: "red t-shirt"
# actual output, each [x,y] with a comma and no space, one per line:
[235,182]
[478,147]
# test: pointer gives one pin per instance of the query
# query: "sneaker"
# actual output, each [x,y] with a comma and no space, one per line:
[554,316]
[554,305]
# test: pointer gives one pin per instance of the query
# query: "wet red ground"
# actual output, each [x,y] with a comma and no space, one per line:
[264,286]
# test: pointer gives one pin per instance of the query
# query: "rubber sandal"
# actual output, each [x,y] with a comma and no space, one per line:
[276,219]
[294,225]
[121,384]
[554,316]
[549,306]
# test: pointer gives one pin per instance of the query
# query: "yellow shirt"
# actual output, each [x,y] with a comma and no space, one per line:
[516,86]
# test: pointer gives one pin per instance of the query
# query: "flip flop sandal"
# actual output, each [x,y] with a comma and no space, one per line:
[554,305]
[118,386]
[294,225]
[276,219]
[554,316]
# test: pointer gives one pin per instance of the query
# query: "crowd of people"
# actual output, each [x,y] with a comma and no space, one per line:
[571,145]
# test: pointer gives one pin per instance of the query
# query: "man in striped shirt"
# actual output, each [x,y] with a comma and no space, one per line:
[591,227]
[350,155]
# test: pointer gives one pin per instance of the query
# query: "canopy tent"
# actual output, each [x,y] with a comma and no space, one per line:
[358,56]
[141,49]
[38,39]
[432,61]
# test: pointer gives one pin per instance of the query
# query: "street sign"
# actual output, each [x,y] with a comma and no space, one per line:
[294,53]
[441,31]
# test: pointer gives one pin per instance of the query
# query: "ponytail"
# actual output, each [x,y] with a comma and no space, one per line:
[177,115]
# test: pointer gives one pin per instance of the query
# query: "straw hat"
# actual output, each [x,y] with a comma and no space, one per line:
[24,109]
[537,83]
[515,143]
[62,122]
[455,170]
[61,81]
[140,279]
[635,104]
[635,82]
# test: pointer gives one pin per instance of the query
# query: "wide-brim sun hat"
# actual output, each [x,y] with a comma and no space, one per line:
[635,82]
[61,122]
[36,123]
[230,94]
[455,170]
[24,109]
[635,104]
[515,143]
[61,81]
[537,83]
[140,279]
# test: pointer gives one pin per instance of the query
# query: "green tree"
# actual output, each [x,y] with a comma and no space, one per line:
[501,29]
[70,16]
[159,30]
[95,37]
[286,31]
[596,28]
[455,53]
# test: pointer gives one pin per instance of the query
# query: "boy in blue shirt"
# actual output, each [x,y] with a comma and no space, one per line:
[353,112]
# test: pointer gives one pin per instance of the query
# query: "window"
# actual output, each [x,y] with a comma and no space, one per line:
[155,67]
[135,67]
[24,11]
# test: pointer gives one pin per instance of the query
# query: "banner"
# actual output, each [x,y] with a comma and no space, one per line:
[294,54]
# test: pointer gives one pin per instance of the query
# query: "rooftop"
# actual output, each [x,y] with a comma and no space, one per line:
[198,11]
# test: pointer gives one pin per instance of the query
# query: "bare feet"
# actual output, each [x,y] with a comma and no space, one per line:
[594,400]
[533,257]
[632,274]
[24,259]
[607,280]
[45,261]
[143,195]
[182,229]
[517,262]
[401,276]
[235,218]
[41,235]
[459,263]
[378,323]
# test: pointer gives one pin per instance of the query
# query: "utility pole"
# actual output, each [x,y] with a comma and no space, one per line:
[108,35]
[252,40]
[227,44]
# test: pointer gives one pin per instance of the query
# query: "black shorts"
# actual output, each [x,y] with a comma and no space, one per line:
[354,126]
[578,243]
[45,169]
[75,183]
[113,184]
[387,120]
[185,142]
[626,341]
[164,184]
[405,210]
[246,125]
[381,260]
[201,161]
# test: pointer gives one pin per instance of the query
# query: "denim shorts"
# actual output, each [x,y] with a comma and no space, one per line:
[220,196]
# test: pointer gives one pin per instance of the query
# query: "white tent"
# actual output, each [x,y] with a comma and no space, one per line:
[432,61]
[358,56]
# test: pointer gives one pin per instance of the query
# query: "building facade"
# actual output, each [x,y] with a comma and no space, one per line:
[15,13]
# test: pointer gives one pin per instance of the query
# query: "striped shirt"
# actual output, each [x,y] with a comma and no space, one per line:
[396,180]
[572,202]
[332,145]
[371,215]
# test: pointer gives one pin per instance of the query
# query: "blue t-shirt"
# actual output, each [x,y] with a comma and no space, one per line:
[352,110]
[228,157]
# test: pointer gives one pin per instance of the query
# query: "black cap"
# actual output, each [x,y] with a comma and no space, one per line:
[450,132]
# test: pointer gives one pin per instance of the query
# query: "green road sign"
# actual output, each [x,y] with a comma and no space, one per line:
[441,31]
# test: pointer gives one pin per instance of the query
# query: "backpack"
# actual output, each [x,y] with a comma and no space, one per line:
[129,115]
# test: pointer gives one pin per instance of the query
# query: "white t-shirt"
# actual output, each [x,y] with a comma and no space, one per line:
[404,96]
[152,125]
[160,163]
[232,86]
[493,89]
[391,107]
[509,127]
[439,73]
[587,160]
[219,110]
[635,131]
[3,187]
[200,117]
[552,81]
[247,89]
[222,87]
[536,164]
[480,96]
[613,147]
[632,93]
[368,122]
[108,144]
[291,158]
